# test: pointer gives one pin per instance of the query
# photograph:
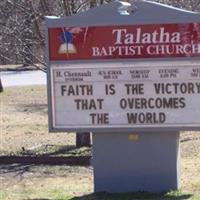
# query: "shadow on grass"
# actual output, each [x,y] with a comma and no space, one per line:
[129,196]
[135,196]
[16,168]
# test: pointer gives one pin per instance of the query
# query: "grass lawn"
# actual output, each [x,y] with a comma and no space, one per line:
[23,128]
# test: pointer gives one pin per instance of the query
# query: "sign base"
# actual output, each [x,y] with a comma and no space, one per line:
[136,162]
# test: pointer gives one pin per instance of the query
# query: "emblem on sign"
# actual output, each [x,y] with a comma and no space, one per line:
[67,35]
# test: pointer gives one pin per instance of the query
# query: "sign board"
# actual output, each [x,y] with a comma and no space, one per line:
[118,95]
[111,76]
[125,41]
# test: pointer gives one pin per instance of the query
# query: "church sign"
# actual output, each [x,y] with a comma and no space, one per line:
[130,74]
[97,83]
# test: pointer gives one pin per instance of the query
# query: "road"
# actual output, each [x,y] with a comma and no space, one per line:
[10,79]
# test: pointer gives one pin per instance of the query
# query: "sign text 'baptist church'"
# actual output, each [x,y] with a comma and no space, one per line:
[120,41]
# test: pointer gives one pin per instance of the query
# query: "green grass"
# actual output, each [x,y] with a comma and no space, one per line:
[59,194]
[34,194]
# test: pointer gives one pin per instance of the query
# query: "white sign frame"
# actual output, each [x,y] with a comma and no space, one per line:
[182,70]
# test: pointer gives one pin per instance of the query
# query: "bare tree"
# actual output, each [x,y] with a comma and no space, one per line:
[22,21]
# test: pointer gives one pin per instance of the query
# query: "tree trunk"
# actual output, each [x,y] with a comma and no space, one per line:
[83,140]
[1,86]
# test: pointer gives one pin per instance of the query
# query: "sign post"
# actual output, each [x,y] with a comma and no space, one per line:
[133,79]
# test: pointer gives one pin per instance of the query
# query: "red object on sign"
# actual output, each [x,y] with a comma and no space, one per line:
[125,41]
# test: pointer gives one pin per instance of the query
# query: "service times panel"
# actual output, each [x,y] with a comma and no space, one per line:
[116,95]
